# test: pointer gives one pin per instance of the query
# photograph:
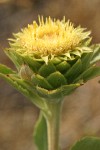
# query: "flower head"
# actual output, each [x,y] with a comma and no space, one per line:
[52,58]
[50,38]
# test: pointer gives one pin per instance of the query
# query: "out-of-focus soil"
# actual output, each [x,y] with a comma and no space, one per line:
[81,110]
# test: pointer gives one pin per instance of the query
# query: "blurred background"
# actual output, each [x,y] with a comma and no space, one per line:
[81,110]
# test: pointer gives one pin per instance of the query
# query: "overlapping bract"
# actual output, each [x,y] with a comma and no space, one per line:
[57,78]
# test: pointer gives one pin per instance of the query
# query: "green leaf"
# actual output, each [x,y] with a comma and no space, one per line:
[86,42]
[41,81]
[67,89]
[16,59]
[86,49]
[53,95]
[96,53]
[55,60]
[88,143]
[74,71]
[33,64]
[5,70]
[91,73]
[56,79]
[86,58]
[25,88]
[40,133]
[58,93]
[63,66]
[47,69]
[88,74]
[76,52]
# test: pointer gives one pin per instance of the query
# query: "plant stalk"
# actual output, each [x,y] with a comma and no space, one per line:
[53,125]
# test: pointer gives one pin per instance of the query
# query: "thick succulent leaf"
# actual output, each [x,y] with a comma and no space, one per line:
[25,89]
[47,69]
[74,71]
[40,133]
[63,66]
[88,74]
[56,79]
[96,53]
[88,143]
[41,81]
[58,93]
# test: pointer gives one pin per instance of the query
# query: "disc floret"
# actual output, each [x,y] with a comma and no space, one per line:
[50,37]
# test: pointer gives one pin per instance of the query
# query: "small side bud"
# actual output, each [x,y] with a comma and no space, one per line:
[25,72]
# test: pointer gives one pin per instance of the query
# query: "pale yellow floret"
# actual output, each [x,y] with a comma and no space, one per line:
[50,37]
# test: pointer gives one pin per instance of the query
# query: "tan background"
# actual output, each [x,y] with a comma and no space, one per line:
[81,111]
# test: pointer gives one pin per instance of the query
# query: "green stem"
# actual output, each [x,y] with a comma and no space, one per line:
[53,124]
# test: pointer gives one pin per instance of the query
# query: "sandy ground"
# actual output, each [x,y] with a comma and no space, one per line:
[81,110]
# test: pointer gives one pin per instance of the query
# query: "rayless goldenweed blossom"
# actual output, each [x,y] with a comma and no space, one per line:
[49,38]
[52,58]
